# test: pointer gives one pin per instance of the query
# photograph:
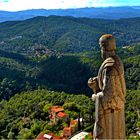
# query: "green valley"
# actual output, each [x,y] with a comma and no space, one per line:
[65,34]
[47,61]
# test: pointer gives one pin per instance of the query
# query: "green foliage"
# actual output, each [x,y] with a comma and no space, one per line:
[24,116]
[65,34]
[47,107]
[68,73]
[48,61]
[10,135]
[71,106]
[17,119]
[88,137]
[132,66]
[132,111]
[61,72]
[17,73]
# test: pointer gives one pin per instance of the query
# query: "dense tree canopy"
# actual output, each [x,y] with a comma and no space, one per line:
[60,54]
[65,34]
[25,115]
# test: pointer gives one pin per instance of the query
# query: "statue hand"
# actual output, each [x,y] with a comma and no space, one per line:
[94,97]
[100,94]
[92,83]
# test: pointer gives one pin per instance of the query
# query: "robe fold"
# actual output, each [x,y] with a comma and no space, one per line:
[110,119]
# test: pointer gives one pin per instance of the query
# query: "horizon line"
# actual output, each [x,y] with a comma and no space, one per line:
[73,8]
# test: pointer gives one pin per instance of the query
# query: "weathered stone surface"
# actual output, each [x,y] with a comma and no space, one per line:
[109,93]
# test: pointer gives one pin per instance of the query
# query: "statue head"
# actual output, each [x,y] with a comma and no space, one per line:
[107,44]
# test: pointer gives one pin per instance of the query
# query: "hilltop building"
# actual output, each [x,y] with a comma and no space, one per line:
[69,131]
[57,113]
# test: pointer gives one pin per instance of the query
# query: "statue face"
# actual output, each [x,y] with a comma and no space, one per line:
[101,43]
[102,49]
[103,53]
[109,45]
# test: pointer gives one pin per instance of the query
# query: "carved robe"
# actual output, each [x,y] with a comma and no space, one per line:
[110,120]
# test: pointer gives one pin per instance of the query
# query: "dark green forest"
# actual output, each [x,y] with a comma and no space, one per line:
[65,34]
[26,114]
[48,61]
[67,72]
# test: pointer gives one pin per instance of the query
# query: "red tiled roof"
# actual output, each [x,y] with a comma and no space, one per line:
[61,114]
[56,109]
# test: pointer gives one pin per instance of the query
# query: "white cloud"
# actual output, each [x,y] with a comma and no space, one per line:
[104,3]
[15,5]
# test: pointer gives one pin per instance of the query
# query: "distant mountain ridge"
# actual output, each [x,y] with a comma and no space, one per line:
[65,34]
[106,13]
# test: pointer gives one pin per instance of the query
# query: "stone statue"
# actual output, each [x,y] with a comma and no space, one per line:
[109,93]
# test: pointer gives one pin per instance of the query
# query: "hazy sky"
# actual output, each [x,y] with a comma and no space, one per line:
[16,5]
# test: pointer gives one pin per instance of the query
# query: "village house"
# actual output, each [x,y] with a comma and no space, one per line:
[74,125]
[57,113]
[69,131]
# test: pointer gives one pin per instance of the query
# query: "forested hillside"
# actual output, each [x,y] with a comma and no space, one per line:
[67,72]
[65,34]
[41,58]
[25,115]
